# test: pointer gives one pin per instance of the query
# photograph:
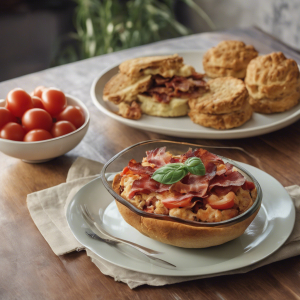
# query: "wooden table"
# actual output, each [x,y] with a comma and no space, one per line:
[28,267]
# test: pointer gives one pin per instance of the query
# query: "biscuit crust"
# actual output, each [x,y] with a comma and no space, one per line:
[123,88]
[272,76]
[182,235]
[225,95]
[223,121]
[228,58]
[268,106]
[162,64]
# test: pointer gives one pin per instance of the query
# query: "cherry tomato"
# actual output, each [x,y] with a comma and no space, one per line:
[38,91]
[174,203]
[37,135]
[37,102]
[6,117]
[222,203]
[54,101]
[37,118]
[18,101]
[12,131]
[73,114]
[61,128]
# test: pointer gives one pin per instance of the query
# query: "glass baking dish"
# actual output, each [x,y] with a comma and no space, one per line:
[138,151]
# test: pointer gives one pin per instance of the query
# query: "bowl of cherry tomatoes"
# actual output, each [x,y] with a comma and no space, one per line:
[42,125]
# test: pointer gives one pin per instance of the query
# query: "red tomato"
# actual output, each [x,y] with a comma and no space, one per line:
[12,131]
[37,118]
[54,101]
[37,135]
[73,114]
[18,101]
[222,203]
[248,185]
[37,102]
[174,203]
[6,117]
[61,128]
[125,171]
[38,91]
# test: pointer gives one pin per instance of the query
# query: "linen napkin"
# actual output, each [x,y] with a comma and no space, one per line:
[47,209]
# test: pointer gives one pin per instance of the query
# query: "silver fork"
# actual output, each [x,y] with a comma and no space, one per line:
[98,230]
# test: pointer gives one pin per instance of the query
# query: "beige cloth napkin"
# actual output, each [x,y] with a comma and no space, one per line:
[47,209]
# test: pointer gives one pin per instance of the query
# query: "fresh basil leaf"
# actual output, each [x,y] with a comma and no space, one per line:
[170,173]
[195,166]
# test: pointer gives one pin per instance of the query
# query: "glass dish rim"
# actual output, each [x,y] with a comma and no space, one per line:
[245,215]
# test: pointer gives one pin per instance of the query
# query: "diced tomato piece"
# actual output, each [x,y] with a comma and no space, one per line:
[173,203]
[248,185]
[222,203]
[125,171]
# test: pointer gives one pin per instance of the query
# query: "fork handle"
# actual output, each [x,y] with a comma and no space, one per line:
[145,250]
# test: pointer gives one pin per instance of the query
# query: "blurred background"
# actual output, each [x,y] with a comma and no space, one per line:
[38,34]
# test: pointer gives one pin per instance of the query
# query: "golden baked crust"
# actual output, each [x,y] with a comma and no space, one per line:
[272,76]
[175,108]
[228,58]
[223,121]
[182,235]
[225,95]
[157,64]
[268,106]
[130,110]
[123,88]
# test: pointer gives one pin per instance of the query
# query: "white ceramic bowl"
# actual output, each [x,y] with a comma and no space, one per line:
[41,151]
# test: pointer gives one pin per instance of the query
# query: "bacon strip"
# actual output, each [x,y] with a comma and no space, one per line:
[159,157]
[231,178]
[164,89]
[146,185]
[195,183]
[137,168]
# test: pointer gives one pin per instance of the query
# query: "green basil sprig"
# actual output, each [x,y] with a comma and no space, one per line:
[172,173]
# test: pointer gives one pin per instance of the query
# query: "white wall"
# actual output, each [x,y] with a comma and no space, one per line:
[280,18]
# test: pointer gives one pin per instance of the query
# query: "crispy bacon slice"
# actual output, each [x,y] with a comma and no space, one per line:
[195,183]
[164,89]
[159,157]
[137,168]
[146,185]
[230,178]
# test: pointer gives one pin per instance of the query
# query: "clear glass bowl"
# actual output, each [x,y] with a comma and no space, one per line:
[138,151]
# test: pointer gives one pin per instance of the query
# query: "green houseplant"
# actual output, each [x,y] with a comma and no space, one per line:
[104,26]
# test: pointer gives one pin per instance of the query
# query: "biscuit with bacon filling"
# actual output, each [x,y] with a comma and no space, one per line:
[161,84]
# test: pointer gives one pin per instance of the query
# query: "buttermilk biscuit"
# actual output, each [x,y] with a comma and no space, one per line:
[268,106]
[228,58]
[166,66]
[223,121]
[225,95]
[121,88]
[271,76]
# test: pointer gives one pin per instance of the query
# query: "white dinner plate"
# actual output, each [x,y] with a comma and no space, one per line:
[183,126]
[269,230]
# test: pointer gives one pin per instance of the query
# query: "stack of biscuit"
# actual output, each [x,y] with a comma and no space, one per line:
[228,58]
[157,86]
[273,83]
[224,106]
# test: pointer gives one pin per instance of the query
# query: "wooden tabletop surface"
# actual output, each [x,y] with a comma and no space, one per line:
[28,267]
